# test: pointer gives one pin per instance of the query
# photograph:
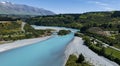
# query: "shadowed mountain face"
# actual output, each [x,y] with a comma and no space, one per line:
[10,8]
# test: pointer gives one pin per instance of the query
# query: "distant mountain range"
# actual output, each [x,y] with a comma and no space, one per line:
[19,9]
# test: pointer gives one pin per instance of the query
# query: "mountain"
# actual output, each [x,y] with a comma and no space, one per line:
[19,9]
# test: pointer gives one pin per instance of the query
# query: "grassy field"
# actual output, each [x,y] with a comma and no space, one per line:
[113,52]
[108,51]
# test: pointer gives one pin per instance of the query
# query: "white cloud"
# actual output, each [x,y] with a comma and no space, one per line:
[108,8]
[101,4]
[98,3]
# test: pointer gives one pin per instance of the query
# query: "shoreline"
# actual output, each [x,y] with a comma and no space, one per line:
[21,43]
[76,47]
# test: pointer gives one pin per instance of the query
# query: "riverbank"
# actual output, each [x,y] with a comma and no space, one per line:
[20,43]
[76,47]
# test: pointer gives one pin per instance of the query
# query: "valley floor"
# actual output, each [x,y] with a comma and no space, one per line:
[75,47]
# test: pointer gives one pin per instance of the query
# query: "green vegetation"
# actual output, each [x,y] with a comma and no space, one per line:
[104,20]
[7,27]
[11,17]
[56,20]
[104,26]
[111,40]
[12,30]
[80,59]
[74,61]
[64,32]
[31,32]
[100,49]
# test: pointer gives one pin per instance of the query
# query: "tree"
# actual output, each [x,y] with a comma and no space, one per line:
[64,32]
[119,30]
[87,40]
[102,52]
[80,59]
[111,44]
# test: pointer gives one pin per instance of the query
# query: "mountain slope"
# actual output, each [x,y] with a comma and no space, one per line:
[10,8]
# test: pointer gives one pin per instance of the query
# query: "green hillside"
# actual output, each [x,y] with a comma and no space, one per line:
[13,30]
[78,20]
[101,25]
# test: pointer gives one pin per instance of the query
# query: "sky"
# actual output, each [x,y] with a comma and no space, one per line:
[71,6]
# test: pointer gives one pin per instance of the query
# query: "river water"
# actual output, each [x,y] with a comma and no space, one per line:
[46,53]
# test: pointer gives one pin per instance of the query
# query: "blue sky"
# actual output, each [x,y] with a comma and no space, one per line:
[72,6]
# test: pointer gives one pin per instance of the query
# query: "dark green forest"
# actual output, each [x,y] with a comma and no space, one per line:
[106,20]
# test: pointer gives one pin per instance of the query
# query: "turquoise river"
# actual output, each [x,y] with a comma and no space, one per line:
[45,53]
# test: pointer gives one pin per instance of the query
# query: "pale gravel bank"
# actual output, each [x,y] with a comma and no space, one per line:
[76,47]
[20,43]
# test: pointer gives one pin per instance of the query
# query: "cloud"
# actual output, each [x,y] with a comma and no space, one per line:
[98,3]
[108,8]
[105,6]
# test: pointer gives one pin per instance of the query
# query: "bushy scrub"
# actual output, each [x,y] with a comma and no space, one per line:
[64,32]
[74,61]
